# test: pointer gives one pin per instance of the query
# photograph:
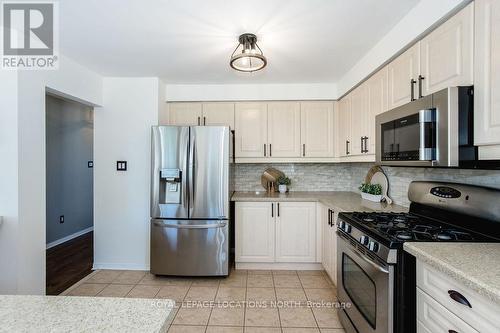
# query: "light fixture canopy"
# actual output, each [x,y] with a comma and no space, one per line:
[247,56]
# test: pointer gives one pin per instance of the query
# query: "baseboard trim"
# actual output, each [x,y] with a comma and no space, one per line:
[279,266]
[121,266]
[69,237]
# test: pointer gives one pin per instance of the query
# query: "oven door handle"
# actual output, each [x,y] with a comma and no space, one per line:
[368,261]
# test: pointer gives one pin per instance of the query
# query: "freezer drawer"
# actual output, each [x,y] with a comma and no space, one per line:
[190,247]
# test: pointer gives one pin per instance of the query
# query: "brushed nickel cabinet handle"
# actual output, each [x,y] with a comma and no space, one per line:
[272,209]
[304,149]
[199,122]
[270,150]
[264,149]
[420,79]
[204,121]
[412,89]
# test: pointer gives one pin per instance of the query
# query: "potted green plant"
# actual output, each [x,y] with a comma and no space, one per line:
[283,183]
[372,192]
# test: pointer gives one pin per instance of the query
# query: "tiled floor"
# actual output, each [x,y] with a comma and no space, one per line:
[246,301]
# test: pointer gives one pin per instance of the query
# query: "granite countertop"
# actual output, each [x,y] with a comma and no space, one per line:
[343,201]
[476,265]
[83,314]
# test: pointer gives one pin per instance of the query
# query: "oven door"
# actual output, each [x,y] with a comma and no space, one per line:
[368,287]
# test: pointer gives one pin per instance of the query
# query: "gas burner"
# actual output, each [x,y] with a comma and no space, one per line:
[368,219]
[399,219]
[444,236]
[404,235]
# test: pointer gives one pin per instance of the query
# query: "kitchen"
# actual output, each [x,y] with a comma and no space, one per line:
[191,211]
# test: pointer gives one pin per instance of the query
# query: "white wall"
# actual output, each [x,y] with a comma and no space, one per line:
[74,81]
[248,92]
[122,131]
[424,16]
[8,181]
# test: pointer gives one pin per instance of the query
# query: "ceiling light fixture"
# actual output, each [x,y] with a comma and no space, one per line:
[247,56]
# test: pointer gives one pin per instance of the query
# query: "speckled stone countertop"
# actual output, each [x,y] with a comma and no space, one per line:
[343,201]
[476,265]
[83,314]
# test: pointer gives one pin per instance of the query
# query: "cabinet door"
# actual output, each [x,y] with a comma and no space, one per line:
[254,231]
[359,107]
[377,96]
[251,130]
[218,114]
[487,74]
[402,71]
[333,247]
[316,119]
[446,53]
[185,114]
[344,126]
[283,129]
[326,253]
[296,232]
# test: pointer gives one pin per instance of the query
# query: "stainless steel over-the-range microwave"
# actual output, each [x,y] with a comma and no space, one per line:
[435,130]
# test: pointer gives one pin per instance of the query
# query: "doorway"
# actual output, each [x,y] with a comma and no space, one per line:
[69,192]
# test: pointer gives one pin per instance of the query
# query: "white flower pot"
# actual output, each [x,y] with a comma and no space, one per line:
[282,188]
[371,197]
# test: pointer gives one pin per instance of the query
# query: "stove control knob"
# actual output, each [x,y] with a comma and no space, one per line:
[342,225]
[364,240]
[348,228]
[373,246]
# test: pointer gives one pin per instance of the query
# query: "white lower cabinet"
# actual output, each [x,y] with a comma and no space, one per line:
[255,230]
[295,232]
[329,241]
[279,232]
[433,317]
[442,305]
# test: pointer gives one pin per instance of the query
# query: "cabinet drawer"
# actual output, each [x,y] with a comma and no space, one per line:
[483,313]
[432,317]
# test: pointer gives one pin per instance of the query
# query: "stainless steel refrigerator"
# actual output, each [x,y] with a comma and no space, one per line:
[190,200]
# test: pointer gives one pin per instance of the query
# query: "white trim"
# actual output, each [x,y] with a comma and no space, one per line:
[121,266]
[280,266]
[70,237]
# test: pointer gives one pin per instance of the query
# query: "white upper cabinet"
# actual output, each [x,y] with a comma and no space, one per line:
[296,232]
[251,129]
[378,97]
[255,231]
[317,127]
[403,75]
[487,74]
[344,126]
[283,129]
[446,54]
[185,114]
[218,114]
[359,115]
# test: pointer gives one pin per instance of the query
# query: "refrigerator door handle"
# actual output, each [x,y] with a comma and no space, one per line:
[192,147]
[190,226]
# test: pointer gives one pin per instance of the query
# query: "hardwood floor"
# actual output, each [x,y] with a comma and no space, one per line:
[68,263]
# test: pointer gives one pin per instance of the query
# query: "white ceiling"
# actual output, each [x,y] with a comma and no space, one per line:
[190,41]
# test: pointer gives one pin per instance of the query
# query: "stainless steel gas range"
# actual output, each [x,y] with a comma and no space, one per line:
[377,278]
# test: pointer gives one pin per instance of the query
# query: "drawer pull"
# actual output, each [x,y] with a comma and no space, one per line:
[458,297]
[452,331]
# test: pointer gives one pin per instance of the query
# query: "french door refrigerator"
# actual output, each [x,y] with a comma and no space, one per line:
[190,200]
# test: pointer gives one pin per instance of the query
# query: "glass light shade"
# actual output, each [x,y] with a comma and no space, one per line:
[248,57]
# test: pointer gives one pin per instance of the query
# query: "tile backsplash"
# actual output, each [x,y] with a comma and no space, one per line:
[348,176]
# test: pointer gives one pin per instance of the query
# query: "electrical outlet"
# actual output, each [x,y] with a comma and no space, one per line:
[61,219]
[90,164]
[121,165]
